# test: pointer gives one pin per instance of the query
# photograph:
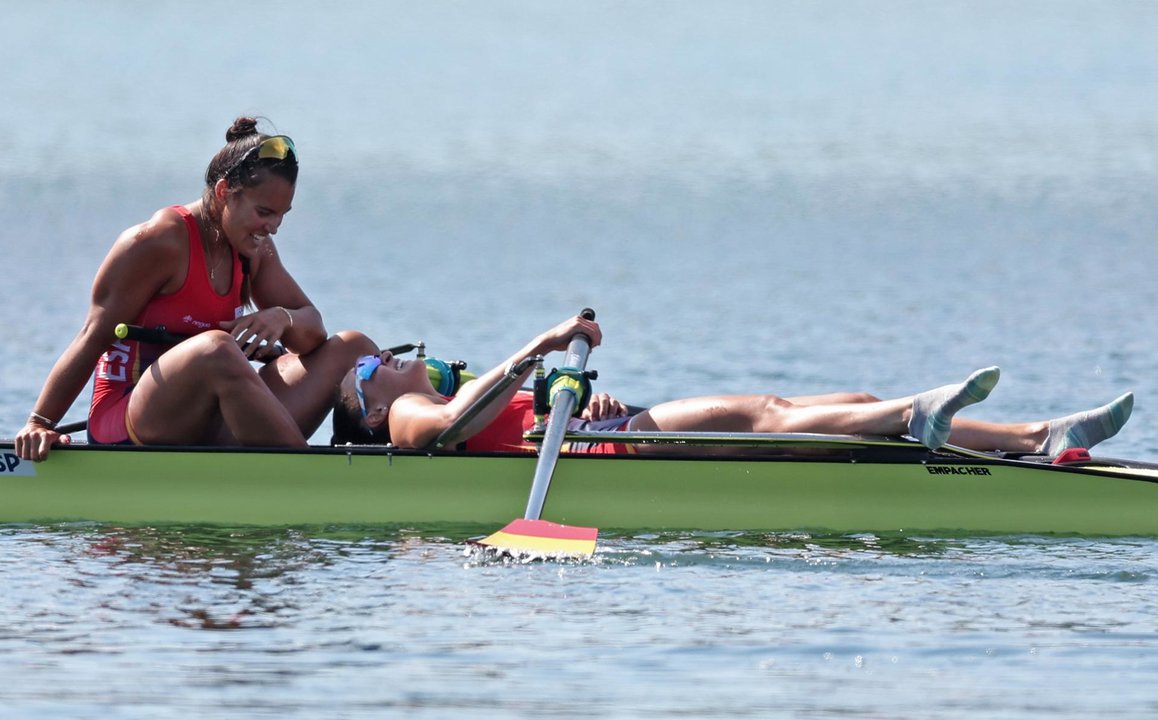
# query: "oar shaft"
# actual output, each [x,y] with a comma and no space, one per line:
[564,405]
[146,334]
[69,428]
[160,336]
[577,351]
[549,455]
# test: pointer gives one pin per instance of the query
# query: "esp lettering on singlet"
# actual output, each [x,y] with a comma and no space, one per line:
[113,366]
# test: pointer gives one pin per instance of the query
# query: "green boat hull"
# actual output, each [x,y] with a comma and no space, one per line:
[324,486]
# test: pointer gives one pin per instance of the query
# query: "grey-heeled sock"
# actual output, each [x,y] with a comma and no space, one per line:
[1087,429]
[933,410]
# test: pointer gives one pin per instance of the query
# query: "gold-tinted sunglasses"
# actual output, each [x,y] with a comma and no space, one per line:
[275,147]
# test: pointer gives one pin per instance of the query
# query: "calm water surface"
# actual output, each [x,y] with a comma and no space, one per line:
[354,622]
[788,196]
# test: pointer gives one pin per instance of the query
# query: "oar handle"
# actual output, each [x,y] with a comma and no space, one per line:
[564,405]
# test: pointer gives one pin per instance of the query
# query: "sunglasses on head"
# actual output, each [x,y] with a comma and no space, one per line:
[275,147]
[364,370]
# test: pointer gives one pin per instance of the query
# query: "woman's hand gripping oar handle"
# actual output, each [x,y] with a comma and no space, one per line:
[564,400]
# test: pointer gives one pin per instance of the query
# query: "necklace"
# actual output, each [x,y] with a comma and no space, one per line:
[217,258]
[212,257]
[212,260]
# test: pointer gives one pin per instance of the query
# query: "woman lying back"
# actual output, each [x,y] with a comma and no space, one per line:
[389,399]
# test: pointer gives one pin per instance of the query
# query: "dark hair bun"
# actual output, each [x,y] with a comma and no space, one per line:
[242,127]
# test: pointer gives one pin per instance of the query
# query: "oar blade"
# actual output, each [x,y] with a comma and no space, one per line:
[537,538]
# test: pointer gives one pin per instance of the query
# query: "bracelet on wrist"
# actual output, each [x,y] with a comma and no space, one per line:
[41,420]
[287,314]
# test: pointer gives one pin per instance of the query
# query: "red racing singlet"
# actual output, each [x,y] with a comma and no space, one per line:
[194,308]
[505,433]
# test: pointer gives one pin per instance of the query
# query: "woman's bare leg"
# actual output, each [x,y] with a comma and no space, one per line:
[836,398]
[967,433]
[204,391]
[927,416]
[772,414]
[1008,437]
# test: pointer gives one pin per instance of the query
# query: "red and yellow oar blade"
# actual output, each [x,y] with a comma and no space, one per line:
[540,537]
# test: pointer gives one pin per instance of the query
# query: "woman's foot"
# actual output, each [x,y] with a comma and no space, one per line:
[1087,429]
[933,410]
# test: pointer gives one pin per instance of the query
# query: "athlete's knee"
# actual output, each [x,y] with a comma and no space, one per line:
[772,413]
[774,403]
[219,350]
[773,406]
[212,339]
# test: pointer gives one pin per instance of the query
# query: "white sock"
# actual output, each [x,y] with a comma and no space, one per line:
[933,410]
[1087,429]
